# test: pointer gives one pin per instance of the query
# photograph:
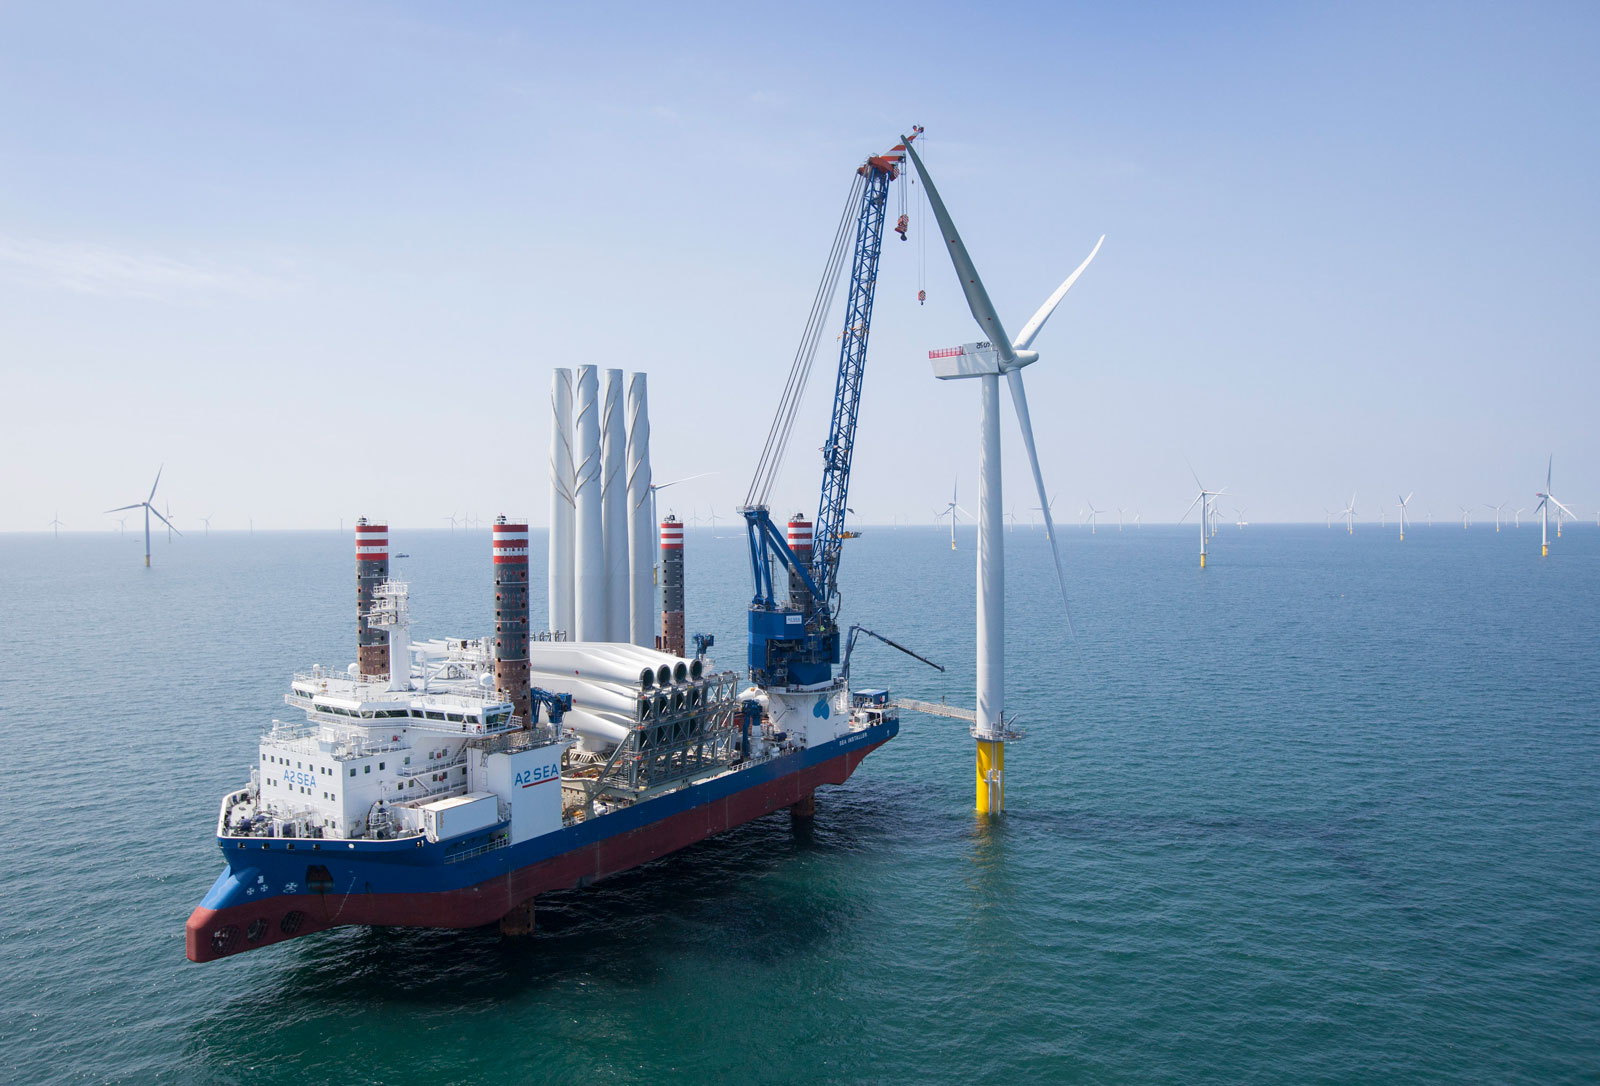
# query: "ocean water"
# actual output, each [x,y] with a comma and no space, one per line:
[1328,811]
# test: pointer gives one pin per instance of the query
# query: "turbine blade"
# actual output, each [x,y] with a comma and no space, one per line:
[163,519]
[120,508]
[685,479]
[157,483]
[1564,509]
[1019,401]
[1036,322]
[1189,510]
[977,297]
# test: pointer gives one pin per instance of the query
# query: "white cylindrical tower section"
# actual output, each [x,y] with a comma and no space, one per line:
[614,506]
[991,568]
[589,573]
[562,569]
[641,542]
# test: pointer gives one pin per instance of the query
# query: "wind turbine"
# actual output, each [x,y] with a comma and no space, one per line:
[452,519]
[1517,517]
[954,512]
[55,523]
[1497,510]
[1403,503]
[1328,511]
[1138,519]
[1203,500]
[1120,511]
[670,482]
[1241,522]
[1546,500]
[1350,514]
[206,520]
[1048,508]
[1011,517]
[996,356]
[1092,517]
[168,507]
[122,526]
[148,509]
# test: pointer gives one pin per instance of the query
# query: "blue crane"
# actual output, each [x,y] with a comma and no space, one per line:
[794,638]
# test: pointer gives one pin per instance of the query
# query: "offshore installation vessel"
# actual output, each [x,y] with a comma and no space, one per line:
[448,782]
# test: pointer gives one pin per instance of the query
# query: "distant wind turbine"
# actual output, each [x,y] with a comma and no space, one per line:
[206,520]
[1466,517]
[670,482]
[1405,501]
[1497,511]
[954,512]
[1546,500]
[55,524]
[148,509]
[1350,514]
[1516,517]
[1120,511]
[1204,501]
[1092,517]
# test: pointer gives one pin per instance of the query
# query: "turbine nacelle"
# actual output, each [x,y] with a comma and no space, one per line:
[982,359]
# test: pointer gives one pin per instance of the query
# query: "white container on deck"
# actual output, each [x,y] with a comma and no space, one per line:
[444,818]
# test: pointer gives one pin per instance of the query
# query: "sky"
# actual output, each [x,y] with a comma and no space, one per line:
[319,259]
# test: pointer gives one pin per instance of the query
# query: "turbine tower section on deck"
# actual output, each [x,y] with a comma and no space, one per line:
[589,619]
[614,508]
[641,585]
[560,558]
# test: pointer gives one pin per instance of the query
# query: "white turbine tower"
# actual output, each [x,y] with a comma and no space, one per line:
[1405,501]
[1546,500]
[1092,517]
[997,356]
[1349,514]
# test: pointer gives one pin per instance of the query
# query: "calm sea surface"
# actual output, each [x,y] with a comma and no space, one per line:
[1328,811]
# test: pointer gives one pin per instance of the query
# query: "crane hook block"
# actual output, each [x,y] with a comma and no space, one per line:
[922,296]
[902,226]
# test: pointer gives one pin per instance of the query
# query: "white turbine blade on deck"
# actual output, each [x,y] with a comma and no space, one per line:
[983,310]
[1019,400]
[1025,338]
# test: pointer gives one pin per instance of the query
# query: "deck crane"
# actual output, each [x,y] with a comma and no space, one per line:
[794,636]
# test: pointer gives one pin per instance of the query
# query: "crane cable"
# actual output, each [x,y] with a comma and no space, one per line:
[771,462]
